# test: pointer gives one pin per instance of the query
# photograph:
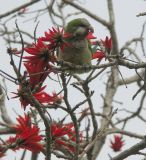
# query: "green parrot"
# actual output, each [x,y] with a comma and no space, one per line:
[78,49]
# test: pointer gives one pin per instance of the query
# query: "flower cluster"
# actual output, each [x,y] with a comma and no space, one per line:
[64,134]
[55,38]
[117,143]
[98,53]
[27,135]
[38,63]
[40,95]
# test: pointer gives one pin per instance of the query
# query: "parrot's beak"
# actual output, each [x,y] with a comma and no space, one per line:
[91,29]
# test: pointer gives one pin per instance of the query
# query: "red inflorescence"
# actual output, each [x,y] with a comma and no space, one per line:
[63,134]
[98,55]
[55,37]
[27,135]
[107,44]
[117,143]
[40,55]
[44,97]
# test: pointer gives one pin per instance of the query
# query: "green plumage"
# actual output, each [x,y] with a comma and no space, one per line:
[77,51]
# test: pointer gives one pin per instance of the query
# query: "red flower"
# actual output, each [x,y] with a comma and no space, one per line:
[55,37]
[98,54]
[36,75]
[39,94]
[64,134]
[44,97]
[38,65]
[117,143]
[41,55]
[27,136]
[23,123]
[28,139]
[107,44]
[59,130]
[95,47]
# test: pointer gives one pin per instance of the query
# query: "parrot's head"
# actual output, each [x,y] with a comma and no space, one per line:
[79,28]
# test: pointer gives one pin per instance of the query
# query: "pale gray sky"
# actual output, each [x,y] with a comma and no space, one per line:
[127,27]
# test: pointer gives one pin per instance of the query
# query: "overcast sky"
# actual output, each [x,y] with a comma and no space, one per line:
[128,26]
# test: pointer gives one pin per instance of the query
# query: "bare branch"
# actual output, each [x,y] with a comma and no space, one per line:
[18,8]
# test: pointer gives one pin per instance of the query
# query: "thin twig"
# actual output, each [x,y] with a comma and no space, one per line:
[18,8]
[22,49]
